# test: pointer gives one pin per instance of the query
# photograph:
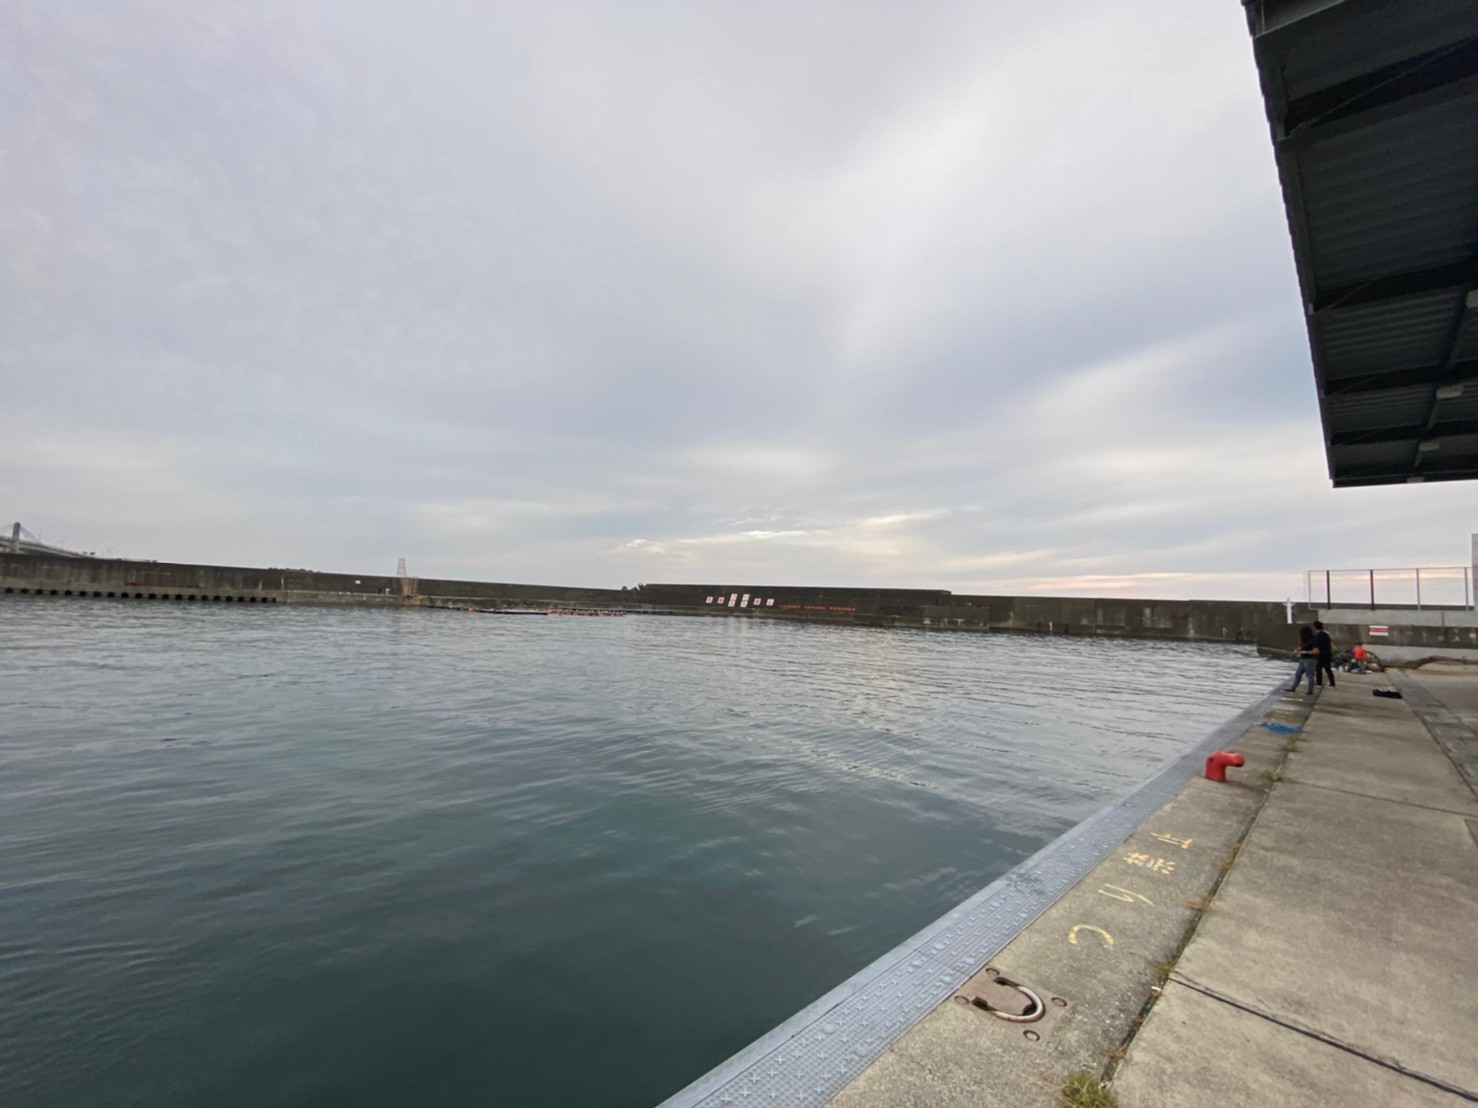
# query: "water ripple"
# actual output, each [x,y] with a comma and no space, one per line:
[305,856]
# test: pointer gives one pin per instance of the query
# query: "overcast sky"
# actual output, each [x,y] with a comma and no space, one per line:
[980,296]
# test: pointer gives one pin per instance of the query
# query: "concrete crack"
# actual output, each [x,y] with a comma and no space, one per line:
[1327,1040]
[1385,799]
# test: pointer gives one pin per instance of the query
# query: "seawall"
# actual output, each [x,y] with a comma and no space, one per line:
[1403,635]
[937,609]
[116,578]
[1238,621]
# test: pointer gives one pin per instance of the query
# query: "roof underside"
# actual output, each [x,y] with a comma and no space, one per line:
[1374,112]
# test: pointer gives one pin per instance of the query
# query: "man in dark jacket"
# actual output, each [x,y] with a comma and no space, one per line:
[1325,661]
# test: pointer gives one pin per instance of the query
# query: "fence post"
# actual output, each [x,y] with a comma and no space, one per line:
[1372,590]
[1418,588]
[1328,595]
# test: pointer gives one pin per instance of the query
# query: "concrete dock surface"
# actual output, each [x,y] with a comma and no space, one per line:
[1306,934]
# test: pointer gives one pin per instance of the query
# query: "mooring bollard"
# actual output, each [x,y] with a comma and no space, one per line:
[1216,765]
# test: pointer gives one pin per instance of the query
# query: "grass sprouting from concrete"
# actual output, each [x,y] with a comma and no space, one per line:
[1083,1090]
[1273,776]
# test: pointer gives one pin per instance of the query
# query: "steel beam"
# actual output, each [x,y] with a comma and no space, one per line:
[1273,17]
[1415,432]
[1443,373]
[1404,88]
[1463,468]
[1453,277]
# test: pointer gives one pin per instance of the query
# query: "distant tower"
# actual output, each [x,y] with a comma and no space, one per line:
[400,568]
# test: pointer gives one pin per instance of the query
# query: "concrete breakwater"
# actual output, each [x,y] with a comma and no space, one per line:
[116,578]
[1203,620]
[1402,635]
[1238,621]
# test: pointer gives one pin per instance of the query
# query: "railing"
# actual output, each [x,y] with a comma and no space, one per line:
[1435,587]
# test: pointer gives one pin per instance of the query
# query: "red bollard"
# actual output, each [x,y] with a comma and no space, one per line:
[1216,765]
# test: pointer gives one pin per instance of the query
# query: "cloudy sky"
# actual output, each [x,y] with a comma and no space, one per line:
[981,296]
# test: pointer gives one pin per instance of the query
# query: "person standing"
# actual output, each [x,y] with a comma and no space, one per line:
[1324,659]
[1307,659]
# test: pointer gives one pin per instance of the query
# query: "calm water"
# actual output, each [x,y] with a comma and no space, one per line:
[293,856]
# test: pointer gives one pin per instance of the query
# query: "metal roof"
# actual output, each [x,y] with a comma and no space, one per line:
[1374,113]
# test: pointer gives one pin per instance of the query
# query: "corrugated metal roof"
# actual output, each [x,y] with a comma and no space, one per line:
[1467,343]
[1393,408]
[1362,340]
[1361,38]
[1374,113]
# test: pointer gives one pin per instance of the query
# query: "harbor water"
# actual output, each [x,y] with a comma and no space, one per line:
[304,856]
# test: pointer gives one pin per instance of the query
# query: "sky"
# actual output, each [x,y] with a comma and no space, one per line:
[996,298]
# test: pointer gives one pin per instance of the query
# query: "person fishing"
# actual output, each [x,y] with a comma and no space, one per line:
[1324,658]
[1308,659]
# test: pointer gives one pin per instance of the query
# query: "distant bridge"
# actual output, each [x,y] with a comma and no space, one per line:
[22,541]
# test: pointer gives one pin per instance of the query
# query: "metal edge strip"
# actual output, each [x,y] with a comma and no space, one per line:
[813,1055]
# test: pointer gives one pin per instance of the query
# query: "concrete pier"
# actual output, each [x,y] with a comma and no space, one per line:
[1306,934]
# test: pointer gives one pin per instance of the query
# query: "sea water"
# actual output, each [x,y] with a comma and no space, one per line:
[308,856]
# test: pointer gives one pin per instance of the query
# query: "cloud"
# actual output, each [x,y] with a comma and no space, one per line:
[956,297]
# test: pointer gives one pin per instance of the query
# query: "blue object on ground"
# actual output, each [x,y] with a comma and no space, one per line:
[1279,728]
